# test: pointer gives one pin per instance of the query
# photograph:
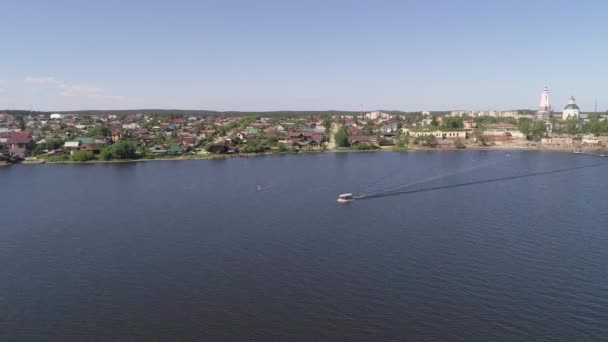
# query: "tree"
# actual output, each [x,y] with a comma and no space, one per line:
[367,147]
[327,123]
[123,149]
[282,147]
[452,122]
[596,125]
[207,146]
[434,122]
[47,146]
[82,156]
[341,137]
[570,126]
[272,140]
[533,130]
[21,122]
[426,140]
[253,146]
[459,143]
[481,138]
[99,131]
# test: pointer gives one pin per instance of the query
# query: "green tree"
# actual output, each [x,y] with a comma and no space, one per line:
[21,122]
[596,125]
[426,140]
[434,122]
[452,122]
[123,149]
[207,146]
[341,137]
[253,146]
[82,156]
[459,143]
[367,147]
[99,131]
[282,147]
[272,140]
[327,123]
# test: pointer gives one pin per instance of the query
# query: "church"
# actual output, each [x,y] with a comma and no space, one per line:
[544,110]
[571,110]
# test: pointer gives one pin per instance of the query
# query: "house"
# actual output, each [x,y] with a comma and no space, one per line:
[175,150]
[469,124]
[72,145]
[560,141]
[19,143]
[438,134]
[207,133]
[188,141]
[91,148]
[218,148]
[131,126]
[158,149]
[85,140]
[389,128]
[116,133]
[363,139]
[498,129]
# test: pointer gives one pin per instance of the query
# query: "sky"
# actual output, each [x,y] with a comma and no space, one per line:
[261,55]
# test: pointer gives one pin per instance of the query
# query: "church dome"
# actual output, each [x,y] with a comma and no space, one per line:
[572,104]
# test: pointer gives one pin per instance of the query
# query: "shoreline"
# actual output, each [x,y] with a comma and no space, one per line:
[346,150]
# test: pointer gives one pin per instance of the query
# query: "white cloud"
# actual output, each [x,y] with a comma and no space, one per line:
[67,89]
[48,80]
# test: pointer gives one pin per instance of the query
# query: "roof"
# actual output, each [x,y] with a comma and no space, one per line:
[85,140]
[572,106]
[19,138]
[72,144]
[363,138]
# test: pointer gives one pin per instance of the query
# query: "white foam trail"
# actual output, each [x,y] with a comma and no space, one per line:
[426,180]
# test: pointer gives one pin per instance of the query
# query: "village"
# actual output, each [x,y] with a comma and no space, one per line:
[82,137]
[63,137]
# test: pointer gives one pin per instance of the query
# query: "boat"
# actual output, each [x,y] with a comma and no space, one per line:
[345,198]
[259,188]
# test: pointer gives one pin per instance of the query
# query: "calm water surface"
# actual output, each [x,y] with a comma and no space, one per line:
[191,251]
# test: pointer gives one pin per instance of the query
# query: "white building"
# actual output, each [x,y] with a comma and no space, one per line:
[544,108]
[377,115]
[571,110]
[57,116]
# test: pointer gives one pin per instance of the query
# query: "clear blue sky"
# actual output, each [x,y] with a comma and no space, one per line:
[299,55]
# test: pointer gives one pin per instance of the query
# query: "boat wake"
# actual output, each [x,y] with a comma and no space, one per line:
[457,185]
[409,185]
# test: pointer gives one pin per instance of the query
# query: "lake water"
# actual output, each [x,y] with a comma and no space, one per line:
[192,251]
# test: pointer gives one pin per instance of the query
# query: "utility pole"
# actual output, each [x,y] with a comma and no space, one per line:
[595,110]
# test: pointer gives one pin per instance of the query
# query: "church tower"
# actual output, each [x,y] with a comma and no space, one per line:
[544,109]
[571,110]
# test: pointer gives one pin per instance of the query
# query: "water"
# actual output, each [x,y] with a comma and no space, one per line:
[192,251]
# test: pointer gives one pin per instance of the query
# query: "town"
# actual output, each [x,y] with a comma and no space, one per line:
[98,136]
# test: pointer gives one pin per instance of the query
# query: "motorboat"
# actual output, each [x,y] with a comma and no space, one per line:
[344,198]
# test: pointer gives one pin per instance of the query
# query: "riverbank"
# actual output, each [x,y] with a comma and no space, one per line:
[592,151]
